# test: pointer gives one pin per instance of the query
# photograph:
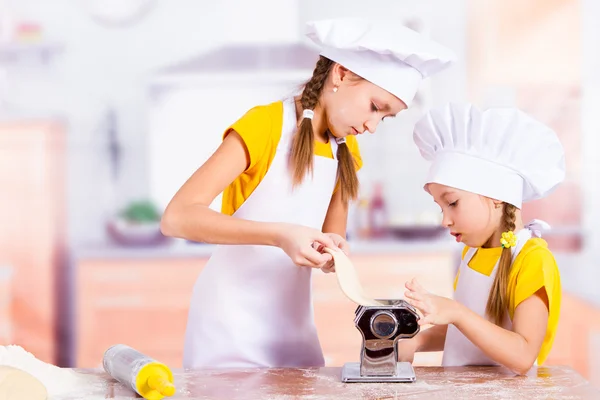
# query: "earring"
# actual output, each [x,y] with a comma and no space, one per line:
[335,88]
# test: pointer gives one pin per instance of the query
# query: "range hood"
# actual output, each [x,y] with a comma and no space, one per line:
[271,61]
[260,45]
[240,58]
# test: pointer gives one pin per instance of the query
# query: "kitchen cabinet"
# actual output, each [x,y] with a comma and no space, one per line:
[144,302]
[6,323]
[32,237]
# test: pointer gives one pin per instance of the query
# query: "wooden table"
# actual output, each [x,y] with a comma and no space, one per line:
[324,383]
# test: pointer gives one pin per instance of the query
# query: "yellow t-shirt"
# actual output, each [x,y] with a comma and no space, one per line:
[534,268]
[260,129]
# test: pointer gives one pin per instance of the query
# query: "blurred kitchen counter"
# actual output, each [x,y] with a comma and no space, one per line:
[185,249]
[119,294]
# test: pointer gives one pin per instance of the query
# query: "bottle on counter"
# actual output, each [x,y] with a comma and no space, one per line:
[362,218]
[378,218]
[147,377]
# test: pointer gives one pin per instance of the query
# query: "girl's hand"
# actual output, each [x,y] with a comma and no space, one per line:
[300,243]
[436,310]
[340,243]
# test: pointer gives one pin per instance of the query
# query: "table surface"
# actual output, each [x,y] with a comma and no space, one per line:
[325,383]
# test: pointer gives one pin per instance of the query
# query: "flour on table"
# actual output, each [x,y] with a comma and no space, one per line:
[58,381]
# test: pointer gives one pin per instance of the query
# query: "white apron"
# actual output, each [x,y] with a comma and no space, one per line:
[472,290]
[251,305]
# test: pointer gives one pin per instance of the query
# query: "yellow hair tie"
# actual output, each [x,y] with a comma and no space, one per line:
[508,240]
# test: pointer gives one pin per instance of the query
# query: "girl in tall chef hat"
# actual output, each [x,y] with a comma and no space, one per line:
[484,165]
[287,171]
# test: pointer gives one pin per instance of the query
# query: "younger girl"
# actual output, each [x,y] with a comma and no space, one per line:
[287,170]
[507,290]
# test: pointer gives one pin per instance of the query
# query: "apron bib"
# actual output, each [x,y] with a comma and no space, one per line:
[472,291]
[251,305]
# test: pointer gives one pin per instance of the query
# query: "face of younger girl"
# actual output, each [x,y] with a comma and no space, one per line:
[471,218]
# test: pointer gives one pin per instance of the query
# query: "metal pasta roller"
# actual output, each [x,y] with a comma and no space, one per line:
[382,326]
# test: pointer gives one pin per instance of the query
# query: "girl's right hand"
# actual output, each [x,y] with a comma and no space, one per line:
[300,243]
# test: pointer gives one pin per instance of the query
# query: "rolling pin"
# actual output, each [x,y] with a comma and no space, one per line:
[149,378]
[16,384]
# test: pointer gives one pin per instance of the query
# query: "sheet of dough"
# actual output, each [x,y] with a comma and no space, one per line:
[348,279]
[16,384]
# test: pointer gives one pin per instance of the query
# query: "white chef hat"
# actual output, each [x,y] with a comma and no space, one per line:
[385,53]
[501,153]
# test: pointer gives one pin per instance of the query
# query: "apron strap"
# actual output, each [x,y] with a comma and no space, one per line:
[334,145]
[536,226]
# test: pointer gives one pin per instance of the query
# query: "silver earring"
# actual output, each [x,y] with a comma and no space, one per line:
[335,88]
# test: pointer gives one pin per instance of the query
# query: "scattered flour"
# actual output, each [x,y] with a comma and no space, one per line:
[58,381]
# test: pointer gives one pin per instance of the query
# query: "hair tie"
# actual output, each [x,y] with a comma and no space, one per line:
[509,239]
[340,140]
[308,114]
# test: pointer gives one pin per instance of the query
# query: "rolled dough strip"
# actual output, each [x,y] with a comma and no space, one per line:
[16,384]
[348,279]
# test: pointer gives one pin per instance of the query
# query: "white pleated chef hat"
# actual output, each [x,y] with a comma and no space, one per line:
[386,53]
[501,153]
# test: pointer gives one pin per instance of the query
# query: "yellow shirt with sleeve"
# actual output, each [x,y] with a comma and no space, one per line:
[260,129]
[533,268]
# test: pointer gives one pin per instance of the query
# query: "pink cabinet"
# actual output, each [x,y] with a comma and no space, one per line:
[32,222]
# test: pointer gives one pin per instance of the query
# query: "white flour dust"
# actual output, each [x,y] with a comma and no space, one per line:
[332,388]
[58,381]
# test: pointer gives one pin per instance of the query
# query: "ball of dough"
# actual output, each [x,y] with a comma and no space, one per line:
[16,384]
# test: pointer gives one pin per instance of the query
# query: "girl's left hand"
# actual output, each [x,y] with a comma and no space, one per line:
[436,310]
[342,244]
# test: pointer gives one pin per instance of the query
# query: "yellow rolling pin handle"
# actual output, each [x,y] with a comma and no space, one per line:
[161,385]
[155,381]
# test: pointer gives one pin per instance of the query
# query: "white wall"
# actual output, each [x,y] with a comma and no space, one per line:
[590,126]
[104,67]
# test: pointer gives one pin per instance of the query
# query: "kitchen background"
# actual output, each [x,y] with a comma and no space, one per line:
[107,106]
